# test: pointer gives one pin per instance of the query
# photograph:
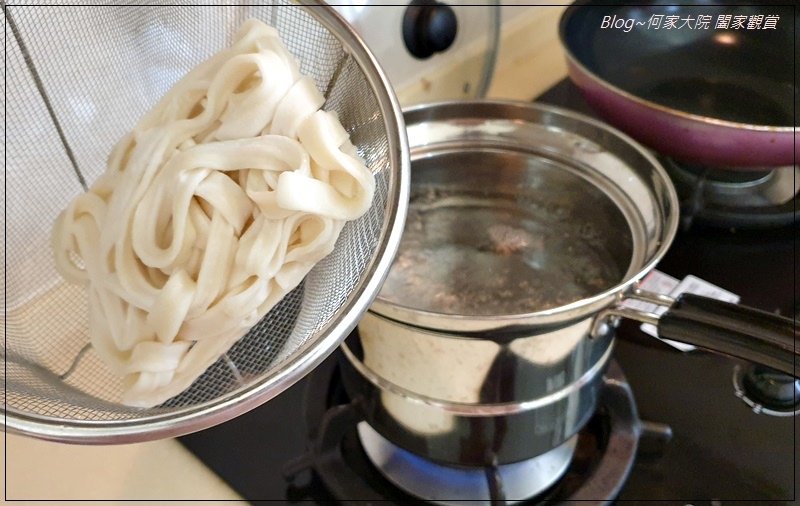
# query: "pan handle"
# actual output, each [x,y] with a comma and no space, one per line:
[731,329]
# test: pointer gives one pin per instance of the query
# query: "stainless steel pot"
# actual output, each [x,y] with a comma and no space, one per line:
[528,228]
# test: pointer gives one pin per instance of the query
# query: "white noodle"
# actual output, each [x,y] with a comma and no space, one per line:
[217,204]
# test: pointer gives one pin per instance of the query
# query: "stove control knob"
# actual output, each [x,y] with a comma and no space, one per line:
[429,27]
[767,391]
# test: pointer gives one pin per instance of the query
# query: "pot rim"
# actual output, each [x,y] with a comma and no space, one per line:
[561,314]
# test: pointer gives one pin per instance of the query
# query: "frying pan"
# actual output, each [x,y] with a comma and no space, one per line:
[709,96]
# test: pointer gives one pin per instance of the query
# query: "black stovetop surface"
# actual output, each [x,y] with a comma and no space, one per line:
[720,449]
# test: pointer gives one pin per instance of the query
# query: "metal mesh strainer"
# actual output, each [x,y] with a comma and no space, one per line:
[78,78]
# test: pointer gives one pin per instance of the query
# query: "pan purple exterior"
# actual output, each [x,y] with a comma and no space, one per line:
[683,136]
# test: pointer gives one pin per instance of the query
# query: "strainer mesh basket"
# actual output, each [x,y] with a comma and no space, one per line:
[77,79]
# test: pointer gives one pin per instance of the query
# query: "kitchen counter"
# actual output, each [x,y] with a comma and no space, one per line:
[40,470]
[530,61]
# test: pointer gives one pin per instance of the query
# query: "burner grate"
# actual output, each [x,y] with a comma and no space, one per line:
[604,450]
[727,198]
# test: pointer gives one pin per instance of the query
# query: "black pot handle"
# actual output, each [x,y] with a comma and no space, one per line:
[739,331]
[743,332]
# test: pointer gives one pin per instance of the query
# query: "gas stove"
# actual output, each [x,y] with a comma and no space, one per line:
[669,425]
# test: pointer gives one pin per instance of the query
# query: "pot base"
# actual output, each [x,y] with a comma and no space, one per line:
[451,485]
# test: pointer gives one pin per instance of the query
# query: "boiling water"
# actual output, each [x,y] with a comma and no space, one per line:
[468,252]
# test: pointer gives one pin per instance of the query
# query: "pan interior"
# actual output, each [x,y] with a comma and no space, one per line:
[494,232]
[740,75]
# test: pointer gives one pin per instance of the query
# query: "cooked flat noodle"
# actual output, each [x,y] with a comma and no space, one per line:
[210,211]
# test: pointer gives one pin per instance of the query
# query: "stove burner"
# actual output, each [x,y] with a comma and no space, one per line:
[726,179]
[603,455]
[728,198]
[766,391]
[450,485]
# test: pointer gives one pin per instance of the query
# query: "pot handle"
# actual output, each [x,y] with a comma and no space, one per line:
[731,329]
